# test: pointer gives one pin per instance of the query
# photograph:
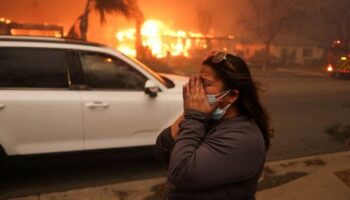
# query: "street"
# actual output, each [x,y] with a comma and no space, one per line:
[302,108]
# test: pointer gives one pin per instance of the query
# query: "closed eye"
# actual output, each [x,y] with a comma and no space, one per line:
[206,84]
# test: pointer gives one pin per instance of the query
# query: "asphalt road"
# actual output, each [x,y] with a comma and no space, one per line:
[26,176]
[302,107]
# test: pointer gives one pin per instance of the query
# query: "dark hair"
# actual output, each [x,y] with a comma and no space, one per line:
[248,102]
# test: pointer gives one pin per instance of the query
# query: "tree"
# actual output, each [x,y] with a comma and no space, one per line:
[127,8]
[266,19]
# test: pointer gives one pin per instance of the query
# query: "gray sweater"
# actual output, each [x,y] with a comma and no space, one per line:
[221,160]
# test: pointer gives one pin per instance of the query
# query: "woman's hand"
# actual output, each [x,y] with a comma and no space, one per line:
[195,97]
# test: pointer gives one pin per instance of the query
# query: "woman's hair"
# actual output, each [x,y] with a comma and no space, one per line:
[248,102]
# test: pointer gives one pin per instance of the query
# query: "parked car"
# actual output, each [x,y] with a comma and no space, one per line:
[59,95]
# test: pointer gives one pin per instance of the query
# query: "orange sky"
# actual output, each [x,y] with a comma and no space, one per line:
[179,14]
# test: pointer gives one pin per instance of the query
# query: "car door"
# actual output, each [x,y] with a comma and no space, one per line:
[38,111]
[117,112]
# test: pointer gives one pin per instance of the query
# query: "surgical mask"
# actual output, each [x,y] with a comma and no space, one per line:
[218,112]
[212,97]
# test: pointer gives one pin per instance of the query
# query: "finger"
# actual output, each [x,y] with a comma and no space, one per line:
[194,89]
[203,95]
[201,89]
[191,85]
[188,92]
[198,84]
[195,84]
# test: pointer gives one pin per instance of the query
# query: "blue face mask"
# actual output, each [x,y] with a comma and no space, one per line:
[218,112]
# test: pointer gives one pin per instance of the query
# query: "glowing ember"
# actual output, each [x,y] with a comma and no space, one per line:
[160,40]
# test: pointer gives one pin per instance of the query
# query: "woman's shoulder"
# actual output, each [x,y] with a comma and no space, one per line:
[242,129]
[241,139]
[241,123]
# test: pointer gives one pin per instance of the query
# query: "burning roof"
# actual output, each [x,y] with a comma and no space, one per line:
[162,41]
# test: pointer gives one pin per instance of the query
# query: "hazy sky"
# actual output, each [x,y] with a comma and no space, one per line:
[179,14]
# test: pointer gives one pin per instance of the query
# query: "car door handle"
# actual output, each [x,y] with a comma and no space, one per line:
[97,104]
[2,106]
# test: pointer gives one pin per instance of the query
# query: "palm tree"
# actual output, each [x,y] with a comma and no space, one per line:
[127,8]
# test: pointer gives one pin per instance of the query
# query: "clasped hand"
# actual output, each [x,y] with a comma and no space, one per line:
[195,97]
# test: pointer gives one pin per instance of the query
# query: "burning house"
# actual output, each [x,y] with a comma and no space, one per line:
[8,27]
[161,42]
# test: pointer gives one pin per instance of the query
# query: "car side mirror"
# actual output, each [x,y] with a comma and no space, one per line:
[151,89]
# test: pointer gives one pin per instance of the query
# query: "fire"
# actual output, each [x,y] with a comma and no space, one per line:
[160,40]
[4,20]
[329,68]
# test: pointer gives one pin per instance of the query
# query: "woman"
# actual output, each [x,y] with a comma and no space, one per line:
[216,149]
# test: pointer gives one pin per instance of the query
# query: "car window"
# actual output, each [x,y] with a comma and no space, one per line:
[33,68]
[106,72]
[168,83]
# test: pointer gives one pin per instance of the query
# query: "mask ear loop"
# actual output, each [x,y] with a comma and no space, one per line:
[224,94]
[226,107]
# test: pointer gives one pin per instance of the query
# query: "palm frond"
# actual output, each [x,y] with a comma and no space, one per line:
[127,8]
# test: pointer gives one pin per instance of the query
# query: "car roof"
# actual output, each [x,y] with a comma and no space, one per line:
[48,40]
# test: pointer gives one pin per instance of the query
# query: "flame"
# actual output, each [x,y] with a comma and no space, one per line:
[160,40]
[4,20]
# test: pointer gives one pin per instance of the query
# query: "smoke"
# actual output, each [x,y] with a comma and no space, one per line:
[177,14]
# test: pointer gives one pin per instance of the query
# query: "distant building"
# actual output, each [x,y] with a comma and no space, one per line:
[285,51]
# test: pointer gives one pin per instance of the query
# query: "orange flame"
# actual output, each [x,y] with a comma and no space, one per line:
[4,20]
[160,40]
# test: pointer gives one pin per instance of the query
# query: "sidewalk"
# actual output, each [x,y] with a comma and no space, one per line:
[326,177]
[321,177]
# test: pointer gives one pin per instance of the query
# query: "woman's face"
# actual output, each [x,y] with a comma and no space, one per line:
[212,84]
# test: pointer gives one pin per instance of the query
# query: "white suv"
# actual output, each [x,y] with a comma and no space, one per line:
[58,95]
